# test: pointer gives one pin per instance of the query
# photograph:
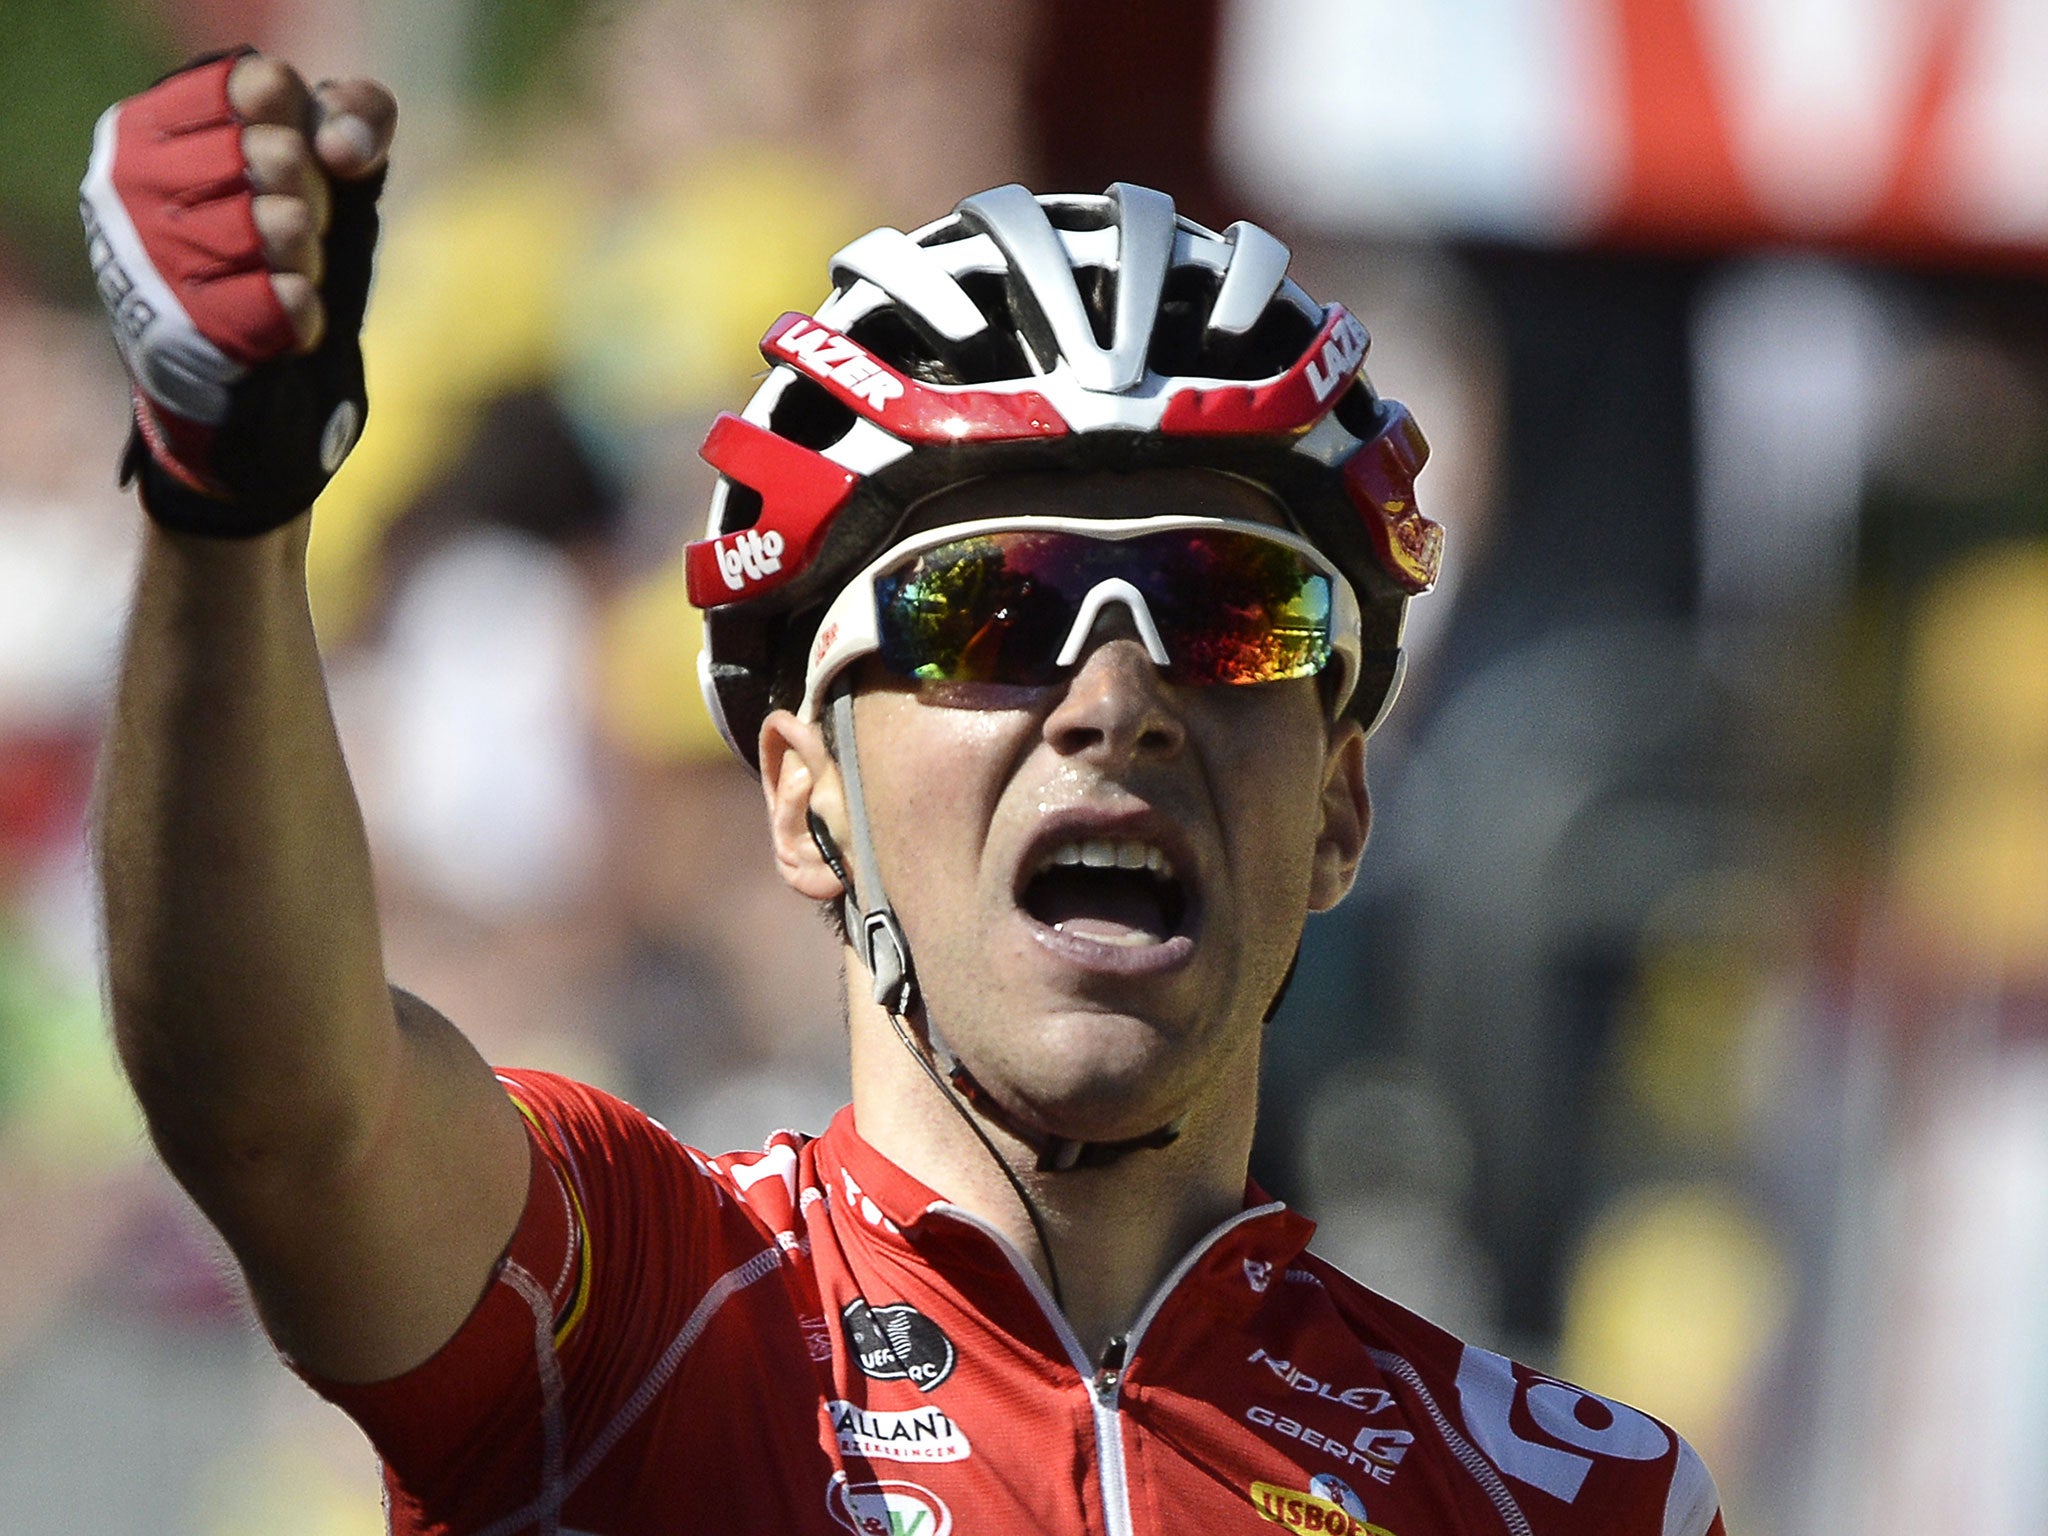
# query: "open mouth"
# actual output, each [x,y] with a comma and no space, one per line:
[1123,892]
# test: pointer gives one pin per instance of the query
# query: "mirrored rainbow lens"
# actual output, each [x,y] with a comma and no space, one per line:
[973,611]
[1230,606]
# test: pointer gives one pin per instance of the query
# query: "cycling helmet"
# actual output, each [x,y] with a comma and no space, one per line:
[1057,332]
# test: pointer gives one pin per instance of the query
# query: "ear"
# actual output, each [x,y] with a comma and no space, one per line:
[798,777]
[1346,818]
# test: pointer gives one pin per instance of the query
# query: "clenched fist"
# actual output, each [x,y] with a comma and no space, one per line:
[231,215]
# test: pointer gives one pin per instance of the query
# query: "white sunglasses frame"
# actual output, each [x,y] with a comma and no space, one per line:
[851,629]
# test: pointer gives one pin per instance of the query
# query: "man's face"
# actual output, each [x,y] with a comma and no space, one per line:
[1103,1002]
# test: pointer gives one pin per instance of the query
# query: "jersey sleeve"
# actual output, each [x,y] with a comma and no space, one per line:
[623,1231]
[1552,1459]
[1574,1462]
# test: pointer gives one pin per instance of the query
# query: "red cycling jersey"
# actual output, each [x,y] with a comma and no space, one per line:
[807,1340]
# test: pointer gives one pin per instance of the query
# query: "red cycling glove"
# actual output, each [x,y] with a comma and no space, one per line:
[235,432]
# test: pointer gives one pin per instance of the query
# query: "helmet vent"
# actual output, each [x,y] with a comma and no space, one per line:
[1358,411]
[1078,218]
[807,414]
[1008,331]
[992,355]
[742,507]
[950,232]
[1273,344]
[1180,333]
[1098,298]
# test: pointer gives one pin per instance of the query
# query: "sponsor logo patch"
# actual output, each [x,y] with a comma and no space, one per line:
[919,1434]
[1258,1274]
[1367,1400]
[1375,1452]
[1334,1511]
[896,1342]
[887,1508]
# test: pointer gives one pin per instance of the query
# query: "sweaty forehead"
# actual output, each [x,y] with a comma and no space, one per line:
[1100,493]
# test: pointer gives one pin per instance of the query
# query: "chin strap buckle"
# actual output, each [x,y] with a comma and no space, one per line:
[888,957]
[1056,1156]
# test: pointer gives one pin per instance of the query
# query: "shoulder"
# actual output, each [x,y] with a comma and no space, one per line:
[1555,1458]
[600,1143]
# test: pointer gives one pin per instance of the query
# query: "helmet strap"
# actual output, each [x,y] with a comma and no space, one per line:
[875,931]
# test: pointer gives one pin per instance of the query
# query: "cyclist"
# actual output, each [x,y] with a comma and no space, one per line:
[1054,582]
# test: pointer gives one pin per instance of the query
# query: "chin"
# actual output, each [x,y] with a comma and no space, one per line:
[1098,1077]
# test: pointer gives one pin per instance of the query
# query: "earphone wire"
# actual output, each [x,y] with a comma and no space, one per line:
[828,849]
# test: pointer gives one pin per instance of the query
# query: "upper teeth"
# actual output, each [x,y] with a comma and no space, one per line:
[1107,853]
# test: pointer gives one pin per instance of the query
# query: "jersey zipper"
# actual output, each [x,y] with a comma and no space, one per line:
[1105,1381]
[1109,1439]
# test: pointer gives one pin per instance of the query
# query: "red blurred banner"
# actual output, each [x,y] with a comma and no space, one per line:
[1907,126]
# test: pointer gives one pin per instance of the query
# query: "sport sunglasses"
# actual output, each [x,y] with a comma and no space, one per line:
[1014,600]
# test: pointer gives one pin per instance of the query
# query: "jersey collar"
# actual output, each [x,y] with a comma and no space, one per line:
[1234,1267]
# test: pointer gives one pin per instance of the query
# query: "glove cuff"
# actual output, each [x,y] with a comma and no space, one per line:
[174,505]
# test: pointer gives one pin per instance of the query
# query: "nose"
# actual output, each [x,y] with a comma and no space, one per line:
[1116,703]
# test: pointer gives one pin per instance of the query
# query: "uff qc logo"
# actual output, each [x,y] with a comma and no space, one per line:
[896,1342]
[749,555]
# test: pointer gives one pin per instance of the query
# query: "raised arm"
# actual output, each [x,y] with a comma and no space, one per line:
[355,1151]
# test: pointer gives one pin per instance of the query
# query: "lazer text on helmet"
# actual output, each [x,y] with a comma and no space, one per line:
[832,356]
[1342,354]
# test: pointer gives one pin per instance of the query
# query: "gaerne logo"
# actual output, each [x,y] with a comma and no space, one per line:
[832,356]
[748,556]
[920,1434]
[896,1342]
[1342,354]
[887,1508]
[1328,1506]
[1374,1452]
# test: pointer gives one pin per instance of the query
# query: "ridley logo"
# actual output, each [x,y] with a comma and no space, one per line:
[921,1434]
[1341,355]
[749,555]
[832,356]
[1366,1399]
[887,1508]
[1328,1507]
[896,1342]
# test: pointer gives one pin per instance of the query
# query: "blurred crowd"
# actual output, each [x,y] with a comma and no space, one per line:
[1688,1034]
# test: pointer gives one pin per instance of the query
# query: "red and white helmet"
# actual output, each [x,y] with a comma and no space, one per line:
[1028,333]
